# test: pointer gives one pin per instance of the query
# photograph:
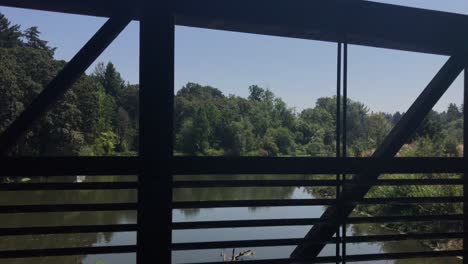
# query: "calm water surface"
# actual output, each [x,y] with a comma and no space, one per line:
[129,238]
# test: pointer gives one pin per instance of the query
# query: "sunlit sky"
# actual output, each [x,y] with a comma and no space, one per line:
[299,71]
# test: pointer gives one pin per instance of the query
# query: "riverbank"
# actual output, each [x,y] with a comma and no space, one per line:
[435,245]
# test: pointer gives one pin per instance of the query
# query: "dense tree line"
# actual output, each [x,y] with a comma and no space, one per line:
[210,123]
[98,116]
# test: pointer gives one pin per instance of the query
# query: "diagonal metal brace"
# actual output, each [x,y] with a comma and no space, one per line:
[63,81]
[388,149]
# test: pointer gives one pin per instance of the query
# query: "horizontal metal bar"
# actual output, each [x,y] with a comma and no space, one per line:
[408,200]
[245,223]
[242,243]
[404,255]
[403,182]
[210,184]
[312,165]
[49,252]
[297,183]
[296,241]
[63,166]
[49,208]
[367,23]
[19,231]
[398,237]
[252,203]
[57,166]
[308,221]
[251,183]
[311,202]
[68,186]
[403,218]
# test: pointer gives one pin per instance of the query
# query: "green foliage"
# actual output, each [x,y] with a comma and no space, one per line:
[207,121]
[378,128]
[269,147]
[198,132]
[239,138]
[9,34]
[259,94]
[282,138]
[109,78]
[97,116]
[104,145]
[416,209]
[33,41]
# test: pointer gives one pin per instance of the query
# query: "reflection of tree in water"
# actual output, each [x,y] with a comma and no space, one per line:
[321,192]
[60,219]
[239,193]
[399,246]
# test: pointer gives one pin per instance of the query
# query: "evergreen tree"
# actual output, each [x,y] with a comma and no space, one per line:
[113,82]
[453,113]
[33,41]
[10,35]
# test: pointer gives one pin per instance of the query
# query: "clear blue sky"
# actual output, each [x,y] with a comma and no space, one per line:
[299,71]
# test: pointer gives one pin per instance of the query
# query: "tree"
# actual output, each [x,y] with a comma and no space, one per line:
[259,94]
[88,93]
[24,73]
[378,128]
[453,113]
[9,34]
[105,144]
[282,115]
[282,138]
[123,130]
[239,138]
[194,91]
[33,41]
[304,132]
[431,127]
[129,101]
[396,117]
[357,125]
[61,130]
[256,93]
[10,92]
[269,147]
[109,78]
[107,110]
[195,134]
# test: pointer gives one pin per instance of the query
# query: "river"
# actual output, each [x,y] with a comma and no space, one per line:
[128,238]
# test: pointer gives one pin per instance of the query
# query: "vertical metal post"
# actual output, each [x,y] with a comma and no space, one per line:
[338,140]
[345,111]
[465,174]
[156,131]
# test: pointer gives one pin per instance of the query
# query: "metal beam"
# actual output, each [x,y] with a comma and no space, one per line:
[63,81]
[465,158]
[62,166]
[389,148]
[157,32]
[367,23]
[308,165]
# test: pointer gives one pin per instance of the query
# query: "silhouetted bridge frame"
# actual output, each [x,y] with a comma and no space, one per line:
[343,22]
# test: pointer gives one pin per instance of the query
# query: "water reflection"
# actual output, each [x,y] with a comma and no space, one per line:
[239,193]
[67,218]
